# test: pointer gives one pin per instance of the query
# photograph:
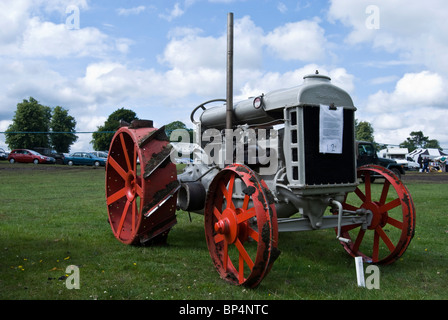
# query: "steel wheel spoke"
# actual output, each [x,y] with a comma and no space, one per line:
[134,214]
[246,215]
[385,239]
[125,151]
[360,194]
[349,227]
[123,217]
[217,213]
[390,205]
[253,234]
[350,207]
[384,192]
[368,188]
[358,240]
[243,253]
[116,196]
[241,269]
[395,223]
[227,192]
[225,258]
[117,167]
[218,238]
[376,247]
[139,190]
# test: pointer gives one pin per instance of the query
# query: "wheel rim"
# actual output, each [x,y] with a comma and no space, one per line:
[393,221]
[241,235]
[141,204]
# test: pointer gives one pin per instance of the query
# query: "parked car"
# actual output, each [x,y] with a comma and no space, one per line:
[59,157]
[99,154]
[26,155]
[366,154]
[3,154]
[84,158]
[412,165]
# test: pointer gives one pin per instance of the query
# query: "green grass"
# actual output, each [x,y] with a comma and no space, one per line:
[50,219]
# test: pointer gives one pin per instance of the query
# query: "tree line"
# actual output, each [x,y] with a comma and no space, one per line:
[33,122]
[364,132]
[35,125]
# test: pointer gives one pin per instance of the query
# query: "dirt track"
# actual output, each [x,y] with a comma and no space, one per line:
[435,177]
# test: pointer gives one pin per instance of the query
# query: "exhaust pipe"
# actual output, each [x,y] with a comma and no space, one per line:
[229,98]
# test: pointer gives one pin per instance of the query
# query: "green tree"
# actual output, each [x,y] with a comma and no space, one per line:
[101,140]
[61,121]
[175,125]
[32,117]
[418,140]
[433,143]
[364,131]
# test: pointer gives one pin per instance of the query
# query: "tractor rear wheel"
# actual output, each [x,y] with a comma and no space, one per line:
[393,221]
[141,184]
[241,226]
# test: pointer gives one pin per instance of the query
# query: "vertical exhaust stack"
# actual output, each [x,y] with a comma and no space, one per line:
[229,98]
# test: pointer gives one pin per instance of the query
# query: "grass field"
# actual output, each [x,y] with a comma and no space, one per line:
[52,217]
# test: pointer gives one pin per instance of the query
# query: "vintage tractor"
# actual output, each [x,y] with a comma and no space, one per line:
[280,162]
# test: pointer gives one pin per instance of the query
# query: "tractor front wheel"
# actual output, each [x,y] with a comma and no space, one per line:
[393,220]
[241,226]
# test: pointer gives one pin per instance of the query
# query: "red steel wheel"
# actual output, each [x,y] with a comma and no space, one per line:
[140,195]
[393,222]
[241,226]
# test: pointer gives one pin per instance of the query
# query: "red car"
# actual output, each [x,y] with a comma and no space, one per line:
[26,155]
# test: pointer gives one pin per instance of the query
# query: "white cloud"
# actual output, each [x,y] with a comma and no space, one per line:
[417,103]
[46,39]
[394,128]
[300,41]
[59,5]
[265,82]
[188,50]
[416,30]
[303,40]
[413,90]
[130,11]
[28,36]
[4,124]
[282,7]
[174,13]
[383,80]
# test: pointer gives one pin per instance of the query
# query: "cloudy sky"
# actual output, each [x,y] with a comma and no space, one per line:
[162,58]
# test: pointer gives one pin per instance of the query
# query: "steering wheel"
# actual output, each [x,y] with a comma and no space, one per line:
[202,106]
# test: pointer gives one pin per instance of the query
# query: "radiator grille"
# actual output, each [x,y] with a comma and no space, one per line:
[328,168]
